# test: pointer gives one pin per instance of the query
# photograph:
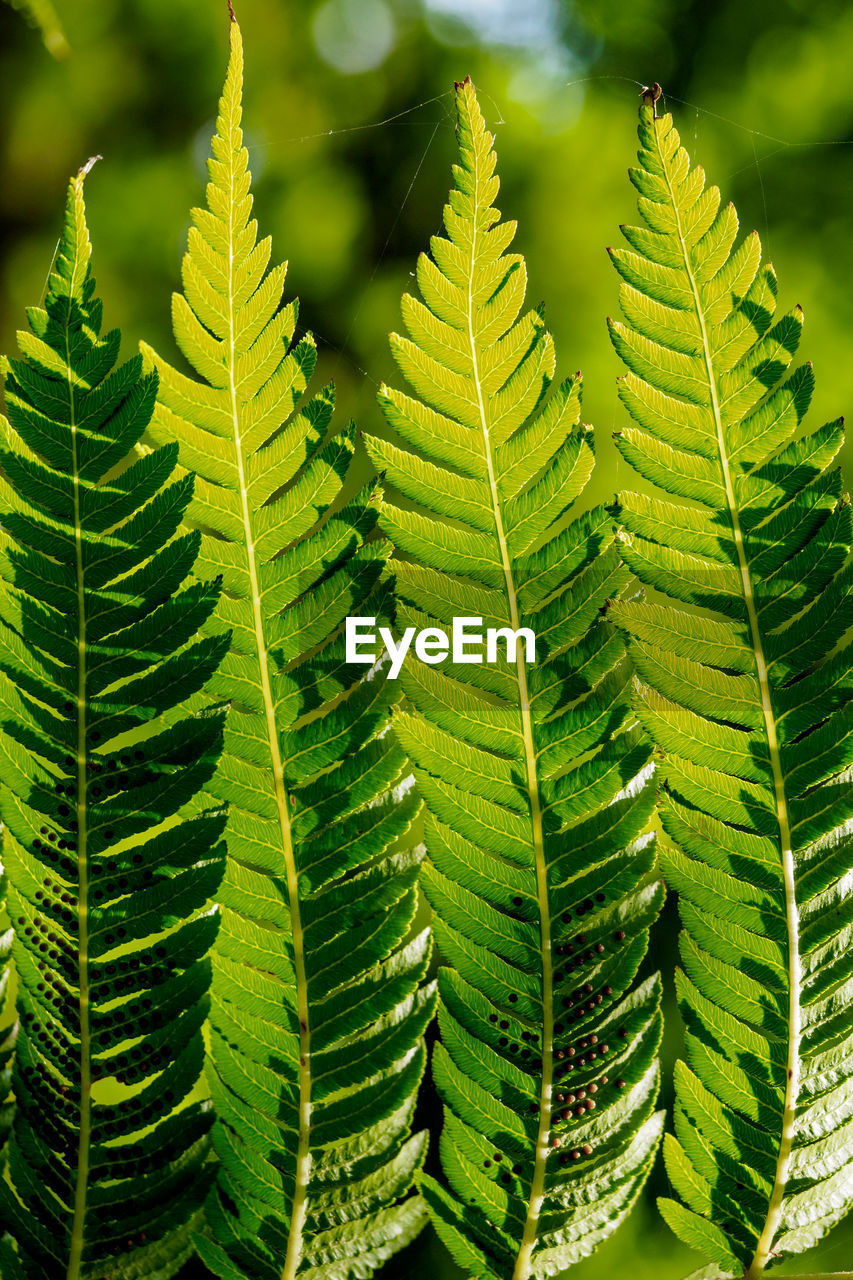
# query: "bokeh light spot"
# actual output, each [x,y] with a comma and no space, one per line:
[354,35]
[515,24]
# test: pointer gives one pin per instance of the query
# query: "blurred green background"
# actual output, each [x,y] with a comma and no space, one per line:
[349,121]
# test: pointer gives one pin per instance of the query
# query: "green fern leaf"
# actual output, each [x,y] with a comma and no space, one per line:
[536,780]
[319,1005]
[749,701]
[107,886]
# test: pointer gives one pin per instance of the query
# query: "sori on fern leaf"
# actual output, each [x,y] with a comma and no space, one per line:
[108,886]
[743,661]
[319,999]
[537,780]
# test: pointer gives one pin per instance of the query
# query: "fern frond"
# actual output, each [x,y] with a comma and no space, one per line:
[537,782]
[747,693]
[319,1005]
[107,886]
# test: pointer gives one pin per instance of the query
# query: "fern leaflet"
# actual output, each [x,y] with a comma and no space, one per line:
[107,887]
[750,700]
[319,1004]
[537,781]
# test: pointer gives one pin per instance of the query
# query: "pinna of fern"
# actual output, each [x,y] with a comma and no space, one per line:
[108,887]
[537,780]
[748,693]
[319,1000]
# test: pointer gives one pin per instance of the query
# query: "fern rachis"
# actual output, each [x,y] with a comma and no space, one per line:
[105,876]
[751,705]
[536,781]
[319,1004]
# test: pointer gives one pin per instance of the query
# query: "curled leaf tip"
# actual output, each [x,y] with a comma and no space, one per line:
[88,167]
[650,93]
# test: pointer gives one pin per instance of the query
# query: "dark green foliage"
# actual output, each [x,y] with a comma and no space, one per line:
[749,695]
[108,903]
